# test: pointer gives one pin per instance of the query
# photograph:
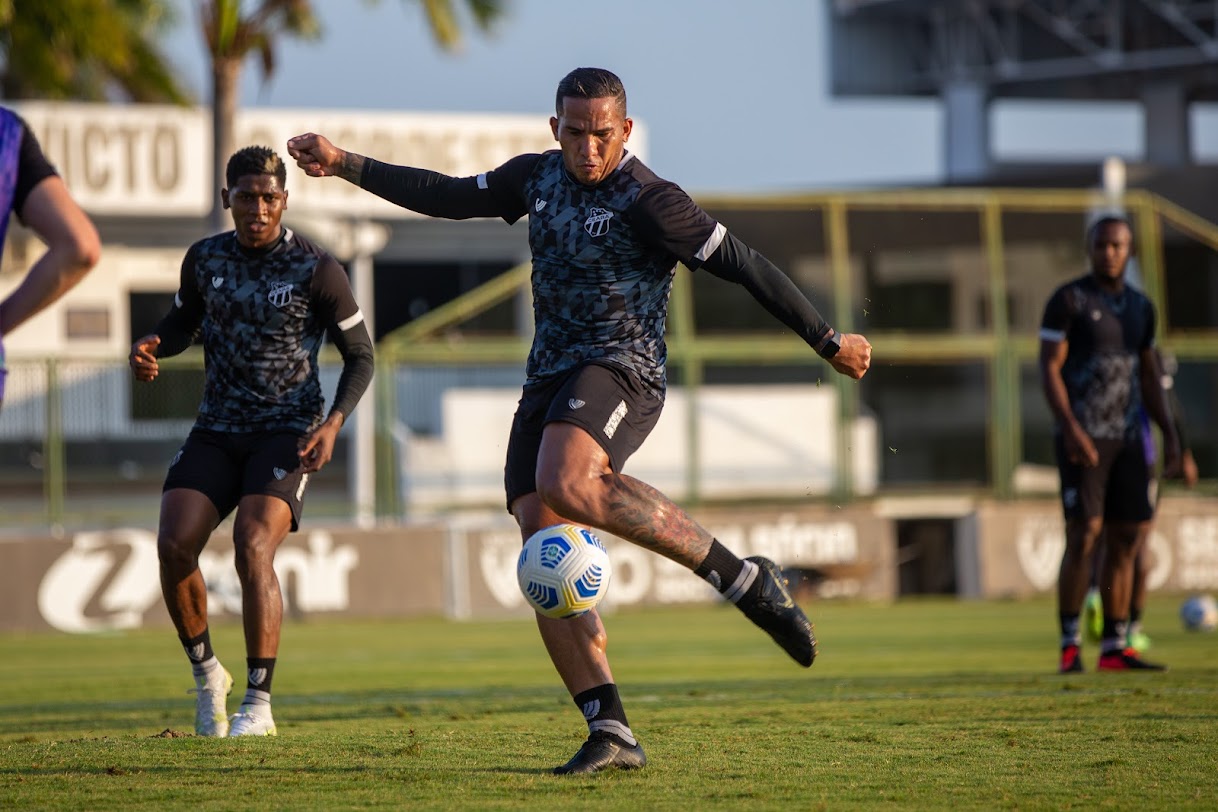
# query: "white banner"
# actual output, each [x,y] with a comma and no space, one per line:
[155,160]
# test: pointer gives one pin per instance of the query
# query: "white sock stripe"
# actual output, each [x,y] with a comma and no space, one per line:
[747,575]
[255,697]
[616,728]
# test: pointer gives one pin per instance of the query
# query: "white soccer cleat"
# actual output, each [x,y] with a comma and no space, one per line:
[248,722]
[211,712]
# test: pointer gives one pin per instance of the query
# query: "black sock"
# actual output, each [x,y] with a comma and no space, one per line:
[258,677]
[1113,638]
[603,711]
[730,575]
[199,651]
[1135,616]
[1070,630]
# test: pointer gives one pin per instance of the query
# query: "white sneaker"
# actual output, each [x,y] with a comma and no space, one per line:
[211,712]
[249,722]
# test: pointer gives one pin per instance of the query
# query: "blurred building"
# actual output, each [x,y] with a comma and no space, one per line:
[1162,54]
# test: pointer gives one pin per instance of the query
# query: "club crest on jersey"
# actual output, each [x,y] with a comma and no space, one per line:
[217,281]
[281,294]
[597,223]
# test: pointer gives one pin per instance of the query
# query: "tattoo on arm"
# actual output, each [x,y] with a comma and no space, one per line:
[639,513]
[351,167]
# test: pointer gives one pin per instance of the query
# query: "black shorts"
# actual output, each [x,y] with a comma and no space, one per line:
[1117,489]
[225,466]
[608,402]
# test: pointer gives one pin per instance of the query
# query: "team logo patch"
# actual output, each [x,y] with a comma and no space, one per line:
[217,281]
[575,403]
[279,473]
[539,204]
[597,223]
[281,294]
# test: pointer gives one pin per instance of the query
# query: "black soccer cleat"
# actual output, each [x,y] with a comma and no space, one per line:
[601,751]
[775,611]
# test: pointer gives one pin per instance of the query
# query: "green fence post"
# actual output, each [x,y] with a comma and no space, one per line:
[1004,438]
[384,390]
[838,241]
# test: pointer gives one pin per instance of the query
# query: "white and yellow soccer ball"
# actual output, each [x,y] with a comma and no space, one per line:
[1199,613]
[563,570]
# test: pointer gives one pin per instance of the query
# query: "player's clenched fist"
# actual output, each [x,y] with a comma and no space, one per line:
[143,358]
[315,154]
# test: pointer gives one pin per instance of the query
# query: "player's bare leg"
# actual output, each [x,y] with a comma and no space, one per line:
[262,523]
[1072,578]
[575,482]
[187,521]
[577,648]
[1136,638]
[1123,541]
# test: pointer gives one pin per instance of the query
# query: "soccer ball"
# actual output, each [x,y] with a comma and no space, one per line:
[1200,613]
[563,570]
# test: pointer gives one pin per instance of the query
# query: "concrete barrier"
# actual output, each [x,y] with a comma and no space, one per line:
[101,580]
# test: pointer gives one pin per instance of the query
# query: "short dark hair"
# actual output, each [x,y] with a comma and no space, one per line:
[255,161]
[1108,220]
[591,83]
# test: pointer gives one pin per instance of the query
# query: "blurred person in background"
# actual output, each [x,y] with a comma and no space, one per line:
[263,298]
[605,235]
[1093,610]
[31,189]
[1099,370]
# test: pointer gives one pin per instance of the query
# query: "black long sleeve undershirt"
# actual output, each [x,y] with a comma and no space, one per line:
[736,262]
[355,346]
[426,192]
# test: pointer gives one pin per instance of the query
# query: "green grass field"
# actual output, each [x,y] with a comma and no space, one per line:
[925,704]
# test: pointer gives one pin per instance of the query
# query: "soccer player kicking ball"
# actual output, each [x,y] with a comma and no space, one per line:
[263,298]
[605,234]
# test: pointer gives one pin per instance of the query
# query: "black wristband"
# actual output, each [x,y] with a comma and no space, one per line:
[829,345]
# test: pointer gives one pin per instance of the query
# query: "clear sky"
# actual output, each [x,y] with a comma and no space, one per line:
[734,94]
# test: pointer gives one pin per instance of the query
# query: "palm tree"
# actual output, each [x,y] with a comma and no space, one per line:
[232,34]
[96,50]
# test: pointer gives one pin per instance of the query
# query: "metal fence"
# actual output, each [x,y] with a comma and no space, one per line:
[948,285]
